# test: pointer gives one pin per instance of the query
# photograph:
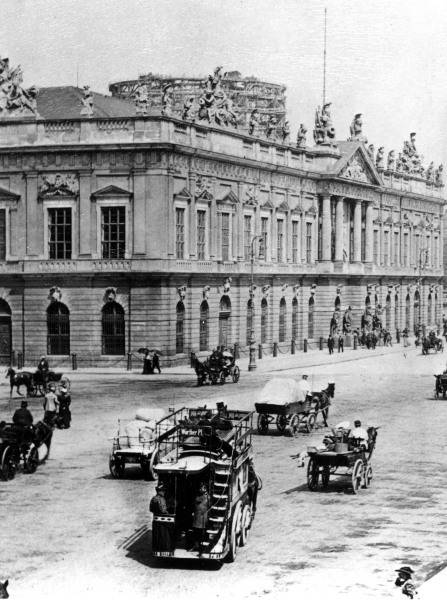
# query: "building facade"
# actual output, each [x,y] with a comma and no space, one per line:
[121,232]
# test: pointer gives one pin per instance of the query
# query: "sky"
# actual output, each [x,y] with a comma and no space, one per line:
[385,58]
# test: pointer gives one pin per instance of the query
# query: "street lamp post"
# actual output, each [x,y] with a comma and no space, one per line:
[252,361]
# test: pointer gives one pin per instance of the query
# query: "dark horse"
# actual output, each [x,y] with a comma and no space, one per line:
[200,368]
[18,379]
[3,590]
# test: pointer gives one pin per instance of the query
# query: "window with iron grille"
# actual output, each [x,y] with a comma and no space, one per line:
[294,319]
[225,236]
[429,309]
[282,320]
[180,328]
[265,235]
[59,234]
[249,321]
[295,241]
[320,230]
[280,240]
[58,329]
[264,320]
[180,233]
[113,329]
[376,254]
[113,231]
[310,320]
[247,237]
[388,312]
[407,312]
[396,312]
[204,325]
[308,242]
[201,234]
[2,234]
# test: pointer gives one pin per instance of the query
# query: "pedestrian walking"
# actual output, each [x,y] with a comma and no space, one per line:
[155,362]
[330,344]
[50,405]
[340,344]
[147,364]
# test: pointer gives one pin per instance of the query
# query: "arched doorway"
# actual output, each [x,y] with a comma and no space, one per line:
[204,325]
[5,333]
[225,321]
[396,312]
[416,311]
[264,320]
[58,329]
[113,329]
[249,322]
[429,310]
[294,319]
[388,312]
[407,312]
[310,318]
[282,320]
[179,328]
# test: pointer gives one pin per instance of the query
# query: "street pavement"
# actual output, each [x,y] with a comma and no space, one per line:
[72,531]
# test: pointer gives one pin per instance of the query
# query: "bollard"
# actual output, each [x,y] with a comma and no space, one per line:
[192,359]
[74,362]
[292,347]
[19,360]
[236,350]
[304,345]
[321,343]
[275,349]
[260,351]
[397,336]
[355,342]
[129,361]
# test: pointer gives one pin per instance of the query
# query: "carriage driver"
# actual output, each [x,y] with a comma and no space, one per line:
[304,388]
[359,434]
[23,420]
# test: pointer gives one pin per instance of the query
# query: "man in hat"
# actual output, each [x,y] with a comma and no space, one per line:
[404,580]
[304,387]
[22,416]
[50,404]
[158,505]
[64,414]
[359,434]
[42,369]
[163,531]
[200,516]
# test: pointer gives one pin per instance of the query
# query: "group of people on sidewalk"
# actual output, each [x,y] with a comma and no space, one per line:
[151,363]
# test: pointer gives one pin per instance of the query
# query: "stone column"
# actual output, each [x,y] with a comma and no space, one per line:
[358,231]
[369,236]
[339,229]
[288,230]
[240,224]
[303,237]
[213,232]
[139,212]
[169,186]
[326,229]
[34,237]
[192,251]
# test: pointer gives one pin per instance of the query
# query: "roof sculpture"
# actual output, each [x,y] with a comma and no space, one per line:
[15,100]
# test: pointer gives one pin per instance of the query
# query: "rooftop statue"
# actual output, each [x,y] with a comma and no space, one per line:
[301,137]
[141,100]
[399,163]
[412,162]
[371,150]
[187,112]
[391,161]
[270,129]
[215,106]
[324,130]
[87,102]
[355,129]
[380,158]
[285,132]
[430,173]
[14,99]
[254,122]
[167,101]
[439,180]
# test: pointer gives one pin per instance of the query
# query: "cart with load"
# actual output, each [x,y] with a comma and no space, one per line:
[342,456]
[280,403]
[136,441]
[17,446]
[441,385]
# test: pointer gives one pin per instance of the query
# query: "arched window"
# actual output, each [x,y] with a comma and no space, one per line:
[429,310]
[58,329]
[417,311]
[282,320]
[407,312]
[225,321]
[204,325]
[388,312]
[396,312]
[436,310]
[264,320]
[113,329]
[249,321]
[294,319]
[310,318]
[180,328]
[5,333]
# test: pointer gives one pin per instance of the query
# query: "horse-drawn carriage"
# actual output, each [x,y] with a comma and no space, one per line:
[441,385]
[342,456]
[35,383]
[432,342]
[280,403]
[216,368]
[22,445]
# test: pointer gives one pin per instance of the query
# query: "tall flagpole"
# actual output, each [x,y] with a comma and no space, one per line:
[324,59]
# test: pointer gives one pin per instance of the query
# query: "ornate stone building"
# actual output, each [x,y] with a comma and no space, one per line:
[120,230]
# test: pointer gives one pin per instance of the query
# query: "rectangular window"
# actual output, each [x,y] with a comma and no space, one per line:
[59,238]
[363,234]
[180,232]
[376,255]
[201,234]
[396,253]
[264,237]
[386,247]
[351,232]
[280,240]
[225,236]
[113,232]
[247,237]
[2,234]
[295,241]
[320,230]
[308,242]
[406,249]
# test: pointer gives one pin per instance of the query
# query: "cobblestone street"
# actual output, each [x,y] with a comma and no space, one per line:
[72,531]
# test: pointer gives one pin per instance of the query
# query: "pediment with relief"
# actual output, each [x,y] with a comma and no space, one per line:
[357,169]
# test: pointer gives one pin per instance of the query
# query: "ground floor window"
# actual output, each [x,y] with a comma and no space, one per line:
[294,319]
[58,329]
[264,320]
[310,319]
[249,321]
[204,325]
[225,321]
[282,320]
[113,329]
[180,328]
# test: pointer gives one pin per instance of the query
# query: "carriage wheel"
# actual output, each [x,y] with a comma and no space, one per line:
[312,474]
[294,425]
[281,423]
[325,476]
[245,524]
[153,461]
[116,466]
[234,533]
[222,377]
[9,466]
[357,475]
[263,424]
[32,390]
[310,422]
[31,461]
[236,374]
[368,477]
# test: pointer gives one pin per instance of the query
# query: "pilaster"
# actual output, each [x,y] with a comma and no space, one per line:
[339,211]
[358,231]
[326,229]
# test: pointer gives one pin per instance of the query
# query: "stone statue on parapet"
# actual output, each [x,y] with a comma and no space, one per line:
[324,130]
[430,173]
[439,179]
[301,137]
[270,128]
[380,158]
[355,130]
[141,100]
[391,161]
[87,102]
[188,109]
[215,106]
[224,113]
[399,163]
[285,132]
[412,162]
[371,151]
[14,99]
[253,123]
[167,100]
